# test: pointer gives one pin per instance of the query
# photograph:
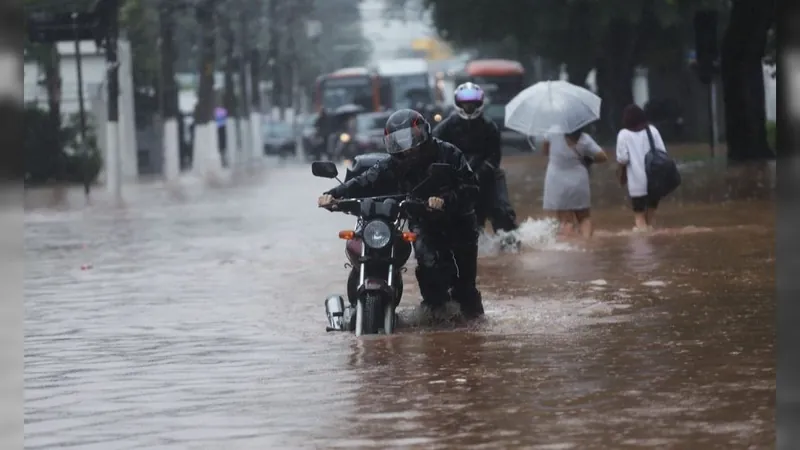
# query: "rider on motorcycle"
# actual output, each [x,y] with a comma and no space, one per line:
[478,137]
[446,249]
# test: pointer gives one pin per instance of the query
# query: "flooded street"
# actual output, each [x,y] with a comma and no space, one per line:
[193,318]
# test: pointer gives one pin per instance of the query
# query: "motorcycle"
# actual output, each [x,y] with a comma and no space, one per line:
[377,250]
[344,147]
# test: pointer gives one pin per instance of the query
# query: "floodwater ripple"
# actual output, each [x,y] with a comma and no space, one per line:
[195,321]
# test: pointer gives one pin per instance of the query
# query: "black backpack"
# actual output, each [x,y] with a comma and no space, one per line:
[662,172]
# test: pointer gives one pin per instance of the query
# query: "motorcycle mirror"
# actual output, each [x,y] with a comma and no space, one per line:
[324,169]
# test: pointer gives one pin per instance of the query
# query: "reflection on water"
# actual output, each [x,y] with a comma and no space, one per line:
[193,318]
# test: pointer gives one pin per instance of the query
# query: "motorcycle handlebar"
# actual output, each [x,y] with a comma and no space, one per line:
[348,205]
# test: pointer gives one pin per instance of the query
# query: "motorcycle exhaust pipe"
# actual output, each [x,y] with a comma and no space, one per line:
[334,310]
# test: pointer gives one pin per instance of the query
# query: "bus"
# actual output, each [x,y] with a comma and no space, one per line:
[500,79]
[352,85]
[410,81]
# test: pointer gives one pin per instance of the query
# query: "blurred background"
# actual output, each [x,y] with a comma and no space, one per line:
[261,71]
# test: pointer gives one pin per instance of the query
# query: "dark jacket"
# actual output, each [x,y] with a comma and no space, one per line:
[386,178]
[478,138]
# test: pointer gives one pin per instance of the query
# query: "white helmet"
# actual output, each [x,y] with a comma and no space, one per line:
[469,100]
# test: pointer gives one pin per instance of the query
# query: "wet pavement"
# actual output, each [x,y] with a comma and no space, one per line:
[192,318]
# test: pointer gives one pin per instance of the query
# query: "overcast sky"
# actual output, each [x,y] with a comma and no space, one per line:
[389,36]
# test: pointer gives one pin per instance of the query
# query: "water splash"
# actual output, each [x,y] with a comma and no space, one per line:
[419,316]
[532,234]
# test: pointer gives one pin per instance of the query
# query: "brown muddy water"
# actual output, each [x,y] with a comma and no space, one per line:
[192,318]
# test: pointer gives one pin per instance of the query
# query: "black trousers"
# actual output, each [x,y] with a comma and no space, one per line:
[447,264]
[493,201]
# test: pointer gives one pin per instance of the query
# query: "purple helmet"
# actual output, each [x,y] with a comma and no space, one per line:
[469,100]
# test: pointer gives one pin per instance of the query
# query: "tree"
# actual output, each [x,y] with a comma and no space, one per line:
[743,50]
[613,36]
[140,21]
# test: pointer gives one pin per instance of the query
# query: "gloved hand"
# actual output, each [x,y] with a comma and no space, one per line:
[325,200]
[436,203]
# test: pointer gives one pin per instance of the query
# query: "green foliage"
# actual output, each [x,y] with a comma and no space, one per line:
[139,19]
[46,161]
[563,29]
[43,156]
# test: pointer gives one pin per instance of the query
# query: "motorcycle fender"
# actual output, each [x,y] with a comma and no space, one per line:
[375,284]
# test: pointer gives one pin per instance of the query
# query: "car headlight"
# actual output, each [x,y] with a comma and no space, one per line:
[344,137]
[377,234]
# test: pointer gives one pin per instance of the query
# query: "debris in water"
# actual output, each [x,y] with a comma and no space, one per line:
[654,283]
[600,282]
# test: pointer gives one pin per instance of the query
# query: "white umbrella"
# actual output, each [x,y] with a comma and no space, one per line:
[552,107]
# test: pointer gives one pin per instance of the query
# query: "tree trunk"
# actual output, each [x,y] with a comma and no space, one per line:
[245,129]
[743,47]
[577,71]
[229,99]
[274,55]
[625,44]
[52,80]
[206,149]
[172,142]
[581,54]
[255,79]
[615,79]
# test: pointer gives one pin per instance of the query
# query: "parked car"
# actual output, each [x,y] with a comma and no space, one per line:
[279,139]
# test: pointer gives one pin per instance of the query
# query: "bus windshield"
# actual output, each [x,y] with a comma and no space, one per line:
[410,90]
[338,92]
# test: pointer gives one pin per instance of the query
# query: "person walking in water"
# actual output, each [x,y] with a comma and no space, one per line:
[633,143]
[567,193]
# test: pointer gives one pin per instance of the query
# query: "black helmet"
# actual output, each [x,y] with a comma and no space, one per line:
[405,130]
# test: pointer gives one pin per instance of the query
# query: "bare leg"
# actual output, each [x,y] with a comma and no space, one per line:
[640,221]
[650,217]
[566,221]
[585,223]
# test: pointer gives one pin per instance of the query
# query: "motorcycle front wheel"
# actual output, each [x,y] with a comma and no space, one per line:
[369,312]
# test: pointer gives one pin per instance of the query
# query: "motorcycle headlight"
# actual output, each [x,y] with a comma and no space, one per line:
[377,234]
[344,137]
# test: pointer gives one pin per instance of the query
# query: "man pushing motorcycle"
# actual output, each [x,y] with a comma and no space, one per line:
[446,248]
[478,137]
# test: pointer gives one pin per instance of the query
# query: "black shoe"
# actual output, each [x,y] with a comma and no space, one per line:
[472,313]
[471,309]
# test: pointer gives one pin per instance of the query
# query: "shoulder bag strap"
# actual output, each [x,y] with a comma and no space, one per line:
[650,138]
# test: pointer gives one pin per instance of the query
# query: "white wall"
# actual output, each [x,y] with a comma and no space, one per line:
[93,66]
